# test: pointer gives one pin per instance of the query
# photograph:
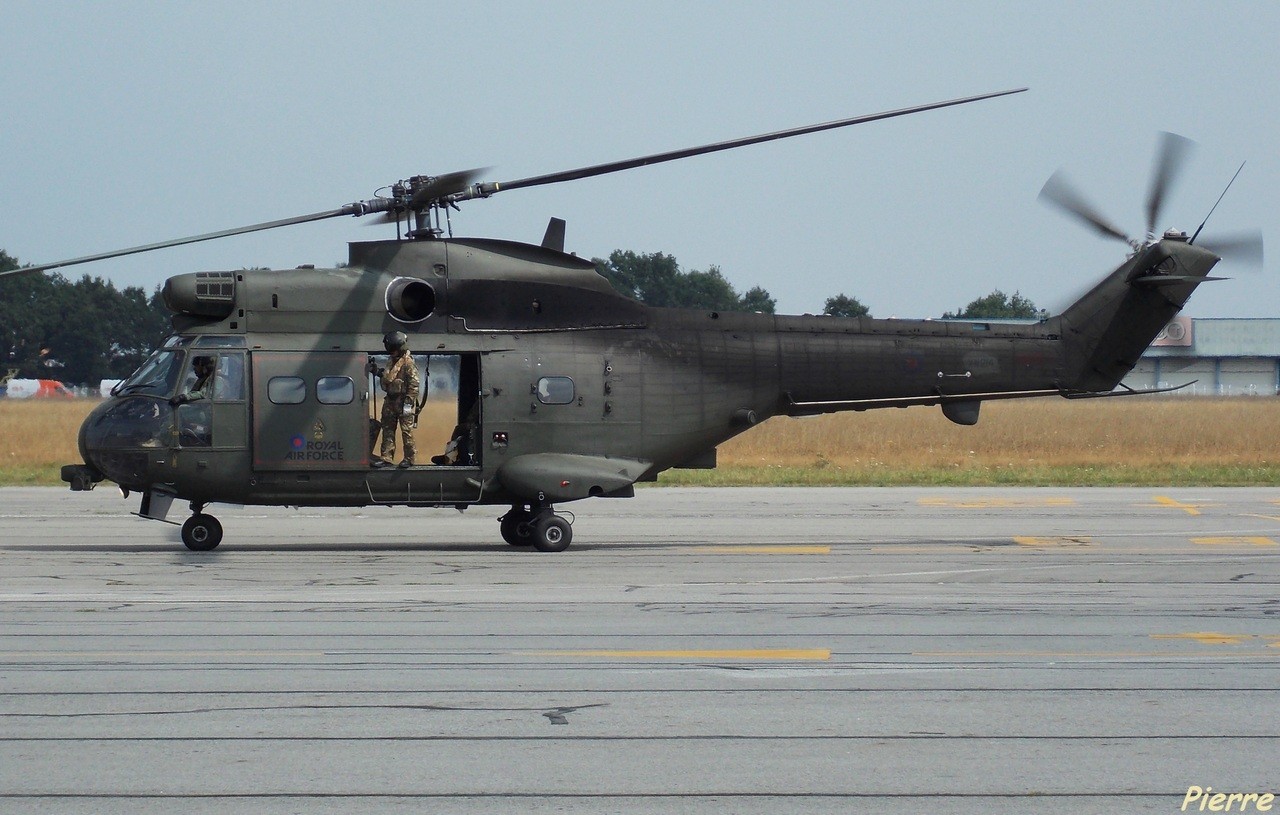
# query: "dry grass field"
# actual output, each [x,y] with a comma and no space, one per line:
[1137,440]
[1141,441]
[37,437]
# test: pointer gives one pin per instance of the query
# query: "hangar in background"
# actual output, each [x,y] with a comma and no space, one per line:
[1225,357]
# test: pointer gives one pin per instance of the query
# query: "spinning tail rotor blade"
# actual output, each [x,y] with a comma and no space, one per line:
[1059,192]
[1240,247]
[1170,160]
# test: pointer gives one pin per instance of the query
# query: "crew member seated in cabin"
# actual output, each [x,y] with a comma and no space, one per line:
[459,448]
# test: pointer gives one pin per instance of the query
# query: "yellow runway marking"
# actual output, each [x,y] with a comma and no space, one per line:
[1256,540]
[1206,637]
[1166,501]
[1028,540]
[746,653]
[996,503]
[764,550]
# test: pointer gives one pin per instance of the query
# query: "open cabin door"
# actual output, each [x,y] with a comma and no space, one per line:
[310,411]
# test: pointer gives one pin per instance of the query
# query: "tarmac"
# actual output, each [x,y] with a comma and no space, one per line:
[695,650]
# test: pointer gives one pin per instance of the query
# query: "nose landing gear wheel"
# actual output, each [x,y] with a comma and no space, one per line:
[201,533]
[551,533]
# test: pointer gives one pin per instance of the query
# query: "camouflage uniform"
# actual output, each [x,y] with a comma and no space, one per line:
[400,381]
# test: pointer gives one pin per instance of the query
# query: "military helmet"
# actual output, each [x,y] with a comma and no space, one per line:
[395,341]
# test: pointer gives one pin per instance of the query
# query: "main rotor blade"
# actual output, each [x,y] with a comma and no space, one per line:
[359,208]
[486,189]
[1239,247]
[1059,192]
[1170,159]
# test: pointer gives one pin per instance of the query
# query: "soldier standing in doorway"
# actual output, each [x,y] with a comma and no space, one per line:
[400,380]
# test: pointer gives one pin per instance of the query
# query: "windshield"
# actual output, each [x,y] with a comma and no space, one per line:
[158,376]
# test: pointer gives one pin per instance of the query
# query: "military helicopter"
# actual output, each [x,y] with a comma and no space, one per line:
[564,389]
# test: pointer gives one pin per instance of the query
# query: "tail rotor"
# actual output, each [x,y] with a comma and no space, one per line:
[1171,158]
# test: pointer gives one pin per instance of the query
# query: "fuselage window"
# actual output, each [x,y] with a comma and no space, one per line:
[335,390]
[287,390]
[555,390]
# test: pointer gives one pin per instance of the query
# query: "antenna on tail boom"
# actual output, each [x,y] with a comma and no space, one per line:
[1215,203]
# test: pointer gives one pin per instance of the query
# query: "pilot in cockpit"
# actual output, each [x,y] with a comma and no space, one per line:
[202,387]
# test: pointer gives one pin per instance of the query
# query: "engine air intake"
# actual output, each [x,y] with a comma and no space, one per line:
[410,300]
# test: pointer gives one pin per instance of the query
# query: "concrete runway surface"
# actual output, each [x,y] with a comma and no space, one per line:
[696,650]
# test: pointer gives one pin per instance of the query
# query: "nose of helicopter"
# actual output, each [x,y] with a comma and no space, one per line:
[117,441]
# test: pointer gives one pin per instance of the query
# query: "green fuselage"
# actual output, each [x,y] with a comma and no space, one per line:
[648,389]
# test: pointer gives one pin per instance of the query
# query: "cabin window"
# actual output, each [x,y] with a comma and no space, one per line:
[335,390]
[555,390]
[287,390]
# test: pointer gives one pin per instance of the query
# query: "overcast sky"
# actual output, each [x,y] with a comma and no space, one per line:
[128,123]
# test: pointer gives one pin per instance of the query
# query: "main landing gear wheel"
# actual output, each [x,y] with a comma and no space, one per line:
[517,527]
[201,532]
[551,533]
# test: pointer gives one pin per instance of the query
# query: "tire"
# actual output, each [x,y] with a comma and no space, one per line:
[202,533]
[551,533]
[516,527]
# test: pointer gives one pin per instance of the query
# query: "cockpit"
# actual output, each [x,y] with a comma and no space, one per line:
[169,402]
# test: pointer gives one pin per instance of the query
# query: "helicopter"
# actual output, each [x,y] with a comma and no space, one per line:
[561,387]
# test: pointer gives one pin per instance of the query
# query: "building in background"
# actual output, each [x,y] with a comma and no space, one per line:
[1224,356]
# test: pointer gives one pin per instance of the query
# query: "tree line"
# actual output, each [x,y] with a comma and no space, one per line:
[657,280]
[86,330]
[80,331]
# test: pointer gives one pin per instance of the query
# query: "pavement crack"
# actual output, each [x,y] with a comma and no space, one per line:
[554,713]
[559,715]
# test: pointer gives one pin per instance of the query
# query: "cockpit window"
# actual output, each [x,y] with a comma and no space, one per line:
[178,342]
[158,376]
[220,342]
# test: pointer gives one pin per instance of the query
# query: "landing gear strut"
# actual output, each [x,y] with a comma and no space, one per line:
[538,527]
[201,532]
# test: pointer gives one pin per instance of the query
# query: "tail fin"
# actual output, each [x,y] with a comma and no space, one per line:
[1106,331]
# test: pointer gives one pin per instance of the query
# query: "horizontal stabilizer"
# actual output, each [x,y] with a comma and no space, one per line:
[1171,279]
